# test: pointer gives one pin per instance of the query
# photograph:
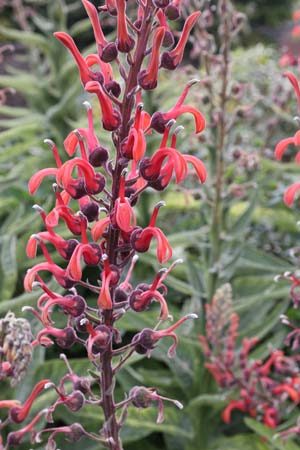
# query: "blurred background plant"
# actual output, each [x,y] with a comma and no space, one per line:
[241,234]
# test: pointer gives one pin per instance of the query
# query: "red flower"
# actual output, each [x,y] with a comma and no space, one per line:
[159,120]
[148,77]
[125,42]
[134,146]
[170,60]
[111,118]
[141,238]
[85,73]
[19,413]
[88,182]
[124,215]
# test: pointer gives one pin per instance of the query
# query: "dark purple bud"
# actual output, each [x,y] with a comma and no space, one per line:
[68,339]
[126,46]
[75,401]
[120,295]
[172,12]
[77,308]
[66,282]
[114,88]
[90,210]
[161,3]
[98,156]
[82,385]
[77,432]
[71,245]
[158,184]
[158,123]
[135,301]
[109,52]
[147,86]
[167,61]
[144,341]
[102,340]
[93,258]
[139,397]
[146,164]
[77,188]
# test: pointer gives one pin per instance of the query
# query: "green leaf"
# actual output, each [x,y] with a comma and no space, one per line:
[239,226]
[270,435]
[25,37]
[239,442]
[218,400]
[9,270]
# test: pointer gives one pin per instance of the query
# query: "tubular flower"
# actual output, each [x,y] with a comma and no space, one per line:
[150,168]
[124,215]
[125,42]
[90,252]
[85,73]
[134,146]
[59,274]
[107,51]
[88,181]
[159,120]
[19,413]
[148,77]
[104,299]
[99,340]
[147,339]
[64,247]
[141,238]
[62,210]
[65,338]
[170,60]
[110,116]
[15,438]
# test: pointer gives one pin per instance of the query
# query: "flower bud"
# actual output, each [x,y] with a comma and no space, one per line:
[120,295]
[109,52]
[90,210]
[75,401]
[68,339]
[101,340]
[78,308]
[98,156]
[172,12]
[68,251]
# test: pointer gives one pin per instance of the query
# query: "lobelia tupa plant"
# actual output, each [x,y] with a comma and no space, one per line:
[95,197]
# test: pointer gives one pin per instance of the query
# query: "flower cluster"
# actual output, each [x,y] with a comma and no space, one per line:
[95,191]
[267,389]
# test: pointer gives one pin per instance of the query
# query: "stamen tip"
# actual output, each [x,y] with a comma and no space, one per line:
[87,105]
[178,404]
[49,142]
[192,316]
